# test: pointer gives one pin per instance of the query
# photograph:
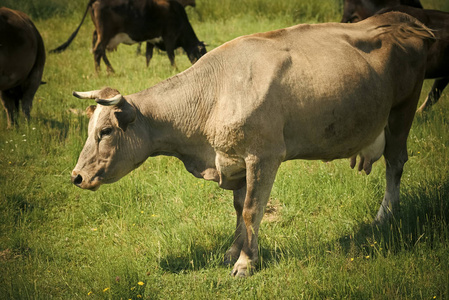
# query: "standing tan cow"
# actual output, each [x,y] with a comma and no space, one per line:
[324,91]
[22,60]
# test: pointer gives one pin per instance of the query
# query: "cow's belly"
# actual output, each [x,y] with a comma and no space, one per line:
[333,132]
[120,38]
[345,145]
[156,40]
[124,38]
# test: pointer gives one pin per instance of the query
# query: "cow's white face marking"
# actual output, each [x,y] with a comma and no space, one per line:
[120,38]
[95,116]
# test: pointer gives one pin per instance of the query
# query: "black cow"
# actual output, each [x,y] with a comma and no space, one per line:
[358,10]
[159,22]
[22,60]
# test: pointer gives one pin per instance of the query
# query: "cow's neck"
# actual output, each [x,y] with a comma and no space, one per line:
[176,112]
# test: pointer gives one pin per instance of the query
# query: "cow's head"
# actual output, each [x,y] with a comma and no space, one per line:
[112,148]
[196,52]
[357,10]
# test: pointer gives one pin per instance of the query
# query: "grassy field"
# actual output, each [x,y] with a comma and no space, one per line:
[160,233]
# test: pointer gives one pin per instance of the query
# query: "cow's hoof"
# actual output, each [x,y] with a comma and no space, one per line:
[243,268]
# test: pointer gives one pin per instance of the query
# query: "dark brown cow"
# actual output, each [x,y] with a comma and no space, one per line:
[163,23]
[358,10]
[22,60]
[187,3]
[438,59]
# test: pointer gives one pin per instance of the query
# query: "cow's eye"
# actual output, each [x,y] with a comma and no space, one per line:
[105,132]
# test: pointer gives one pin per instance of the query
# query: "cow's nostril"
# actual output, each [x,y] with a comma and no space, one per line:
[77,180]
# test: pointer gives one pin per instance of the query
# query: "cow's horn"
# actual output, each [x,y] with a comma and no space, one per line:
[87,95]
[111,101]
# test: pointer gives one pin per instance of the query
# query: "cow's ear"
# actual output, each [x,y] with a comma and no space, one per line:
[90,110]
[125,114]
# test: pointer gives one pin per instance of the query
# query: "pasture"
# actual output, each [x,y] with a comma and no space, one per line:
[160,233]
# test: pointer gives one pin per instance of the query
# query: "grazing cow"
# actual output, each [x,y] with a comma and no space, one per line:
[163,23]
[324,91]
[184,3]
[358,10]
[22,60]
[438,59]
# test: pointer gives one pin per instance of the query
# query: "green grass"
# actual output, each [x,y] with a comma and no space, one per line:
[164,228]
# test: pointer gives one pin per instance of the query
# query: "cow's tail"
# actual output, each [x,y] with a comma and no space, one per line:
[407,27]
[72,37]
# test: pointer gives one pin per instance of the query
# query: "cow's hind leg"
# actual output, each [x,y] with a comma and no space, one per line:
[240,231]
[435,93]
[396,134]
[9,103]
[109,68]
[10,108]
[97,58]
[29,89]
[260,175]
[27,99]
[100,53]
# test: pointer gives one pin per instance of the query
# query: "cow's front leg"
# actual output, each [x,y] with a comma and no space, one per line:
[149,53]
[260,175]
[233,253]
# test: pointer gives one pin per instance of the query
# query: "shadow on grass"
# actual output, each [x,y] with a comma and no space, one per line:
[423,218]
[198,257]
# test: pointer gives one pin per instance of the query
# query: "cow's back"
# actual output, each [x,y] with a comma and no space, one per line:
[310,83]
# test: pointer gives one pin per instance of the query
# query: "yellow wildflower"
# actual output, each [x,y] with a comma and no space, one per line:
[140,283]
[106,289]
[90,293]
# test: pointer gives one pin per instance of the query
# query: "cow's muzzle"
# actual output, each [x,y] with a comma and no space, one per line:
[78,180]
